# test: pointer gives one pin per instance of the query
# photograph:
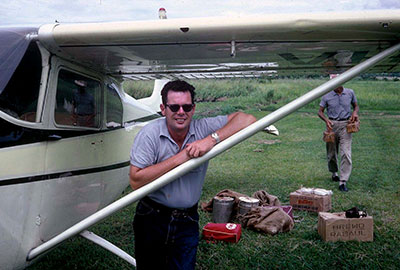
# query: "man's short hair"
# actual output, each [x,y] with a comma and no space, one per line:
[177,86]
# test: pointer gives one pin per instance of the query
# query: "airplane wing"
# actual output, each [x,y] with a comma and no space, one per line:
[226,47]
[229,47]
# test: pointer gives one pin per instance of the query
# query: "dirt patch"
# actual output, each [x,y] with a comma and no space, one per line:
[268,142]
[380,115]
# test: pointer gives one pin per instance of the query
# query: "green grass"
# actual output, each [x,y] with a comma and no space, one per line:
[280,165]
[263,94]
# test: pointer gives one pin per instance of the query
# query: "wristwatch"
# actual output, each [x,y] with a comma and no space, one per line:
[215,137]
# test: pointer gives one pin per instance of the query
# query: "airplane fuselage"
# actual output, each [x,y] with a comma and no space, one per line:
[57,169]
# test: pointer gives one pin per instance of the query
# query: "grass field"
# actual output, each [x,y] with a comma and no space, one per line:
[280,165]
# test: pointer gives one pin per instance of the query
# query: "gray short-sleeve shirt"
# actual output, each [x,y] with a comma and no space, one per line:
[339,106]
[153,144]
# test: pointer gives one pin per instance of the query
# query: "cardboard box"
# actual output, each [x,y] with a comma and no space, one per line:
[336,227]
[310,202]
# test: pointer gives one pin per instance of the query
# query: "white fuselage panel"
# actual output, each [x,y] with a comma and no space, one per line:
[50,186]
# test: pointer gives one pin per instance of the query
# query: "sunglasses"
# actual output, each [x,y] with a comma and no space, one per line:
[176,107]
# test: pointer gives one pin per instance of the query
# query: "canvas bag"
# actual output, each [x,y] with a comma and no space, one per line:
[228,232]
[353,127]
[329,136]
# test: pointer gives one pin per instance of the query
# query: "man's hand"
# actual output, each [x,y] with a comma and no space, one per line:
[200,147]
[236,121]
[354,117]
[329,124]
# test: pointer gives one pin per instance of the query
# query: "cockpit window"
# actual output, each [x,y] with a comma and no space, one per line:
[114,107]
[78,100]
[19,98]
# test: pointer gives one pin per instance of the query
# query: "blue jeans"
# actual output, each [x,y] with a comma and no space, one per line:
[165,239]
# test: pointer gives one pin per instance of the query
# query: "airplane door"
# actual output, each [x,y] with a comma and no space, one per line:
[75,156]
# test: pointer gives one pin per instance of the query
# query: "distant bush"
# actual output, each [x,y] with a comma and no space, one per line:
[138,89]
[265,94]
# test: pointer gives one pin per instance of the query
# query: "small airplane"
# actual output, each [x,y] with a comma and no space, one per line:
[67,125]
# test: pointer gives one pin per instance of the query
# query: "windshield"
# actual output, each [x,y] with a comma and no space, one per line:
[19,97]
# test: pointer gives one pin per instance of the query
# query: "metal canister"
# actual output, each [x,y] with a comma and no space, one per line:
[222,209]
[246,203]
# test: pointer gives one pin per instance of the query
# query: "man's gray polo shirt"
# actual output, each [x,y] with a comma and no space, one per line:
[154,144]
[339,106]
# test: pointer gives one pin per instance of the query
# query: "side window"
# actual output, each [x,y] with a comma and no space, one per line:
[78,100]
[114,108]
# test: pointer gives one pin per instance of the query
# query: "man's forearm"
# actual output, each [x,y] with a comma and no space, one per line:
[236,121]
[356,109]
[142,176]
[322,115]
[354,115]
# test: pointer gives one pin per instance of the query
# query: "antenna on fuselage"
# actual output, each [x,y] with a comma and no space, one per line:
[162,13]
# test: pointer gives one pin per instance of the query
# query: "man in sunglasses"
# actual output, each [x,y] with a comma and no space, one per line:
[166,221]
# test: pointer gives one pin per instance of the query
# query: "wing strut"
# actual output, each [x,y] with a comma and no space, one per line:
[109,246]
[218,149]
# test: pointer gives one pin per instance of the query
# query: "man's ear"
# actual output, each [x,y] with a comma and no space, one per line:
[162,107]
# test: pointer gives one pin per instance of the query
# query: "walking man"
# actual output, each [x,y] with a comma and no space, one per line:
[339,103]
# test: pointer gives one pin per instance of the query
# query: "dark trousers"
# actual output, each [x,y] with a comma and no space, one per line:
[165,238]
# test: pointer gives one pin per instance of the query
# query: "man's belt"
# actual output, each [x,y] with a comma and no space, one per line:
[340,119]
[168,210]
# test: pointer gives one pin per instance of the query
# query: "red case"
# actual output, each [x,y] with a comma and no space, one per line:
[228,232]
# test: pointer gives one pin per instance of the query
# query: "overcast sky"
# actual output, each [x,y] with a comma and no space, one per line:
[37,12]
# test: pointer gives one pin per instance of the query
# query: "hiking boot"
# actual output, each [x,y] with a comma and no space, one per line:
[343,188]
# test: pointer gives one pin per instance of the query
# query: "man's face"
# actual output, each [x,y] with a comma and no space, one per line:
[178,121]
[339,90]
